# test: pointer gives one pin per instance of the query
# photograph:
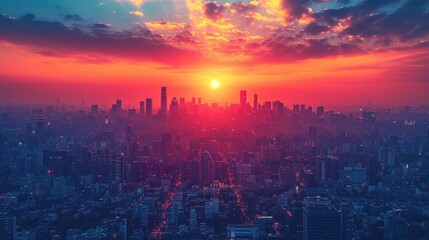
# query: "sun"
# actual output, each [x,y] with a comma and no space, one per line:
[214,84]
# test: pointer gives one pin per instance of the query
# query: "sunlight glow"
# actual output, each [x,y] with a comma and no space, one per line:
[214,84]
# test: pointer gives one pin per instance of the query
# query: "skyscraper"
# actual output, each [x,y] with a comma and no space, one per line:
[119,168]
[255,102]
[94,109]
[7,227]
[128,134]
[320,110]
[206,168]
[243,101]
[193,218]
[174,107]
[321,220]
[119,105]
[148,107]
[40,124]
[142,108]
[163,101]
[395,226]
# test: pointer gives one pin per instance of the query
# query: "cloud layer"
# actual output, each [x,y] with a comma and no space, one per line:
[239,31]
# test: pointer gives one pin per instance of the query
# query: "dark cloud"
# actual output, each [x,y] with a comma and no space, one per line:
[72,17]
[54,37]
[370,5]
[214,10]
[315,28]
[384,42]
[27,17]
[184,37]
[385,23]
[100,26]
[410,21]
[284,49]
[243,7]
[332,16]
[363,9]
[295,8]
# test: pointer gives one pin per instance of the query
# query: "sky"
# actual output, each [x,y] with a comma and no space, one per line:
[332,52]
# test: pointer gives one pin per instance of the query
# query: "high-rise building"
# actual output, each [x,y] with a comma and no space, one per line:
[242,232]
[119,168]
[267,106]
[182,102]
[122,230]
[321,220]
[312,133]
[128,134]
[119,105]
[255,102]
[395,226]
[355,175]
[148,107]
[320,110]
[163,101]
[174,107]
[296,107]
[94,109]
[278,107]
[132,112]
[211,208]
[243,101]
[206,168]
[193,218]
[142,108]
[7,227]
[40,124]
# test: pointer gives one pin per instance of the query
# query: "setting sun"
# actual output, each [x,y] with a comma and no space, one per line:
[215,84]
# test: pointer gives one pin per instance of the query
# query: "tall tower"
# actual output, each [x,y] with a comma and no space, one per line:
[142,108]
[255,102]
[7,227]
[119,105]
[206,168]
[163,101]
[148,107]
[94,109]
[174,107]
[243,101]
[40,124]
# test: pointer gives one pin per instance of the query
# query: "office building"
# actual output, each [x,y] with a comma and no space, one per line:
[255,102]
[7,227]
[321,220]
[206,168]
[243,101]
[142,108]
[148,107]
[249,232]
[163,101]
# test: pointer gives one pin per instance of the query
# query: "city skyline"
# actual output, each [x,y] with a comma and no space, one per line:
[214,120]
[301,51]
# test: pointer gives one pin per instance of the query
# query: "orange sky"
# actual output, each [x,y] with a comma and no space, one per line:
[281,50]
